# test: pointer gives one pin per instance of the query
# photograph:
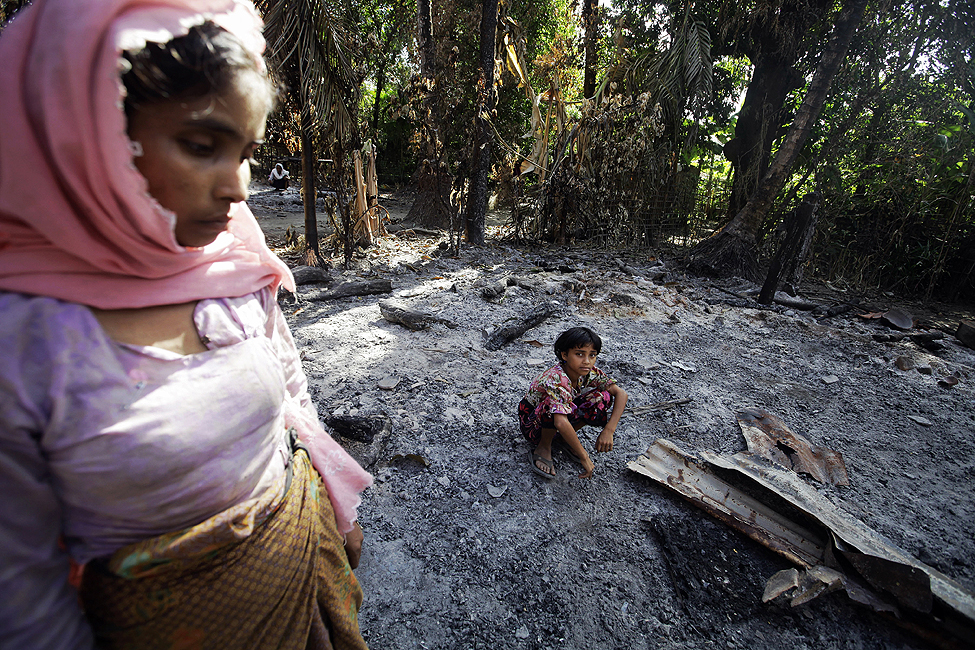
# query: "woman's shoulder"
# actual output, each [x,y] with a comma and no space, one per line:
[26,316]
[39,336]
[229,320]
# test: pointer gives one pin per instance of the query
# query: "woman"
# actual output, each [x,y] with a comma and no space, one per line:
[279,178]
[150,391]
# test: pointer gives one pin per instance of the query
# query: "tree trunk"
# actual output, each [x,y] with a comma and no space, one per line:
[757,127]
[424,30]
[589,8]
[481,155]
[773,47]
[312,255]
[431,205]
[380,82]
[733,248]
[788,260]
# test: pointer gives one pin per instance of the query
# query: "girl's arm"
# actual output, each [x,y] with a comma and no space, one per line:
[605,440]
[571,439]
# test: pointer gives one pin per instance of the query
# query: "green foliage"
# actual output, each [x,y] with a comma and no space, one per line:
[611,187]
[897,160]
[892,153]
[8,8]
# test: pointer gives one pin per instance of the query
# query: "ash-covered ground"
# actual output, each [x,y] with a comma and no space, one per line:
[467,548]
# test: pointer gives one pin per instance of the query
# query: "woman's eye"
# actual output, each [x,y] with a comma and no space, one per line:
[196,148]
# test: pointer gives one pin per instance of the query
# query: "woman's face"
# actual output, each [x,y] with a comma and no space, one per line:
[196,153]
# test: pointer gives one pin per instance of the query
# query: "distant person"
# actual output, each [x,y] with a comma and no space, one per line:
[279,178]
[155,423]
[571,394]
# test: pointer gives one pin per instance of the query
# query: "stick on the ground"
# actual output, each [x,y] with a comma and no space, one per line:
[659,406]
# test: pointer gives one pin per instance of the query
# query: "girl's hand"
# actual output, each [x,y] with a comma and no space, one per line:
[605,440]
[588,466]
[353,545]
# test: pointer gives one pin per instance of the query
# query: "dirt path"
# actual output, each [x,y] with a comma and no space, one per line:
[467,548]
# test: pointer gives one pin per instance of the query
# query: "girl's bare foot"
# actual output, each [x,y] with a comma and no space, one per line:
[542,460]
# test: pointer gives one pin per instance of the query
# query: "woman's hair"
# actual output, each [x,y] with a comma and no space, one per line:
[577,337]
[206,60]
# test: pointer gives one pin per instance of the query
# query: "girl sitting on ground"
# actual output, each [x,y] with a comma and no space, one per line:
[568,396]
[154,416]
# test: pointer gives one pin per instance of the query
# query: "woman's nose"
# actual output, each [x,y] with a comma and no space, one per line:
[233,181]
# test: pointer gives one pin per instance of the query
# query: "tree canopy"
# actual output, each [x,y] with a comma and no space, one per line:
[650,124]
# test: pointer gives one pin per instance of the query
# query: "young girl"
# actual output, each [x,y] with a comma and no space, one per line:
[568,396]
[150,391]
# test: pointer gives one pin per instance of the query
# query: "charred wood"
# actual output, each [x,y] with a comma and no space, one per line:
[348,289]
[396,312]
[501,337]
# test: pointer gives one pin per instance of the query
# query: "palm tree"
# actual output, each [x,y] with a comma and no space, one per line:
[312,57]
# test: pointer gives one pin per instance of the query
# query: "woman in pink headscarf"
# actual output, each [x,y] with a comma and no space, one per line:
[155,423]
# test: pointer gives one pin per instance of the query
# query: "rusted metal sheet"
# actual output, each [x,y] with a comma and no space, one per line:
[850,531]
[694,477]
[767,436]
[666,463]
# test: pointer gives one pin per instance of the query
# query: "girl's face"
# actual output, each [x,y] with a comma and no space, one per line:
[579,362]
[196,153]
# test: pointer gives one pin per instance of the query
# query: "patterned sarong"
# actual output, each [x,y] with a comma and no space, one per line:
[287,584]
[592,408]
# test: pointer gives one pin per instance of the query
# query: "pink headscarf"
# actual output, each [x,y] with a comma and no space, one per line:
[76,220]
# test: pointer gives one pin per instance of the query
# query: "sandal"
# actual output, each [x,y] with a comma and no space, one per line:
[559,443]
[534,458]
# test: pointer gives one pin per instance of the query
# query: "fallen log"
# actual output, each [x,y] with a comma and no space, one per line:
[927,337]
[347,289]
[504,335]
[837,310]
[930,341]
[402,230]
[895,337]
[794,302]
[397,312]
